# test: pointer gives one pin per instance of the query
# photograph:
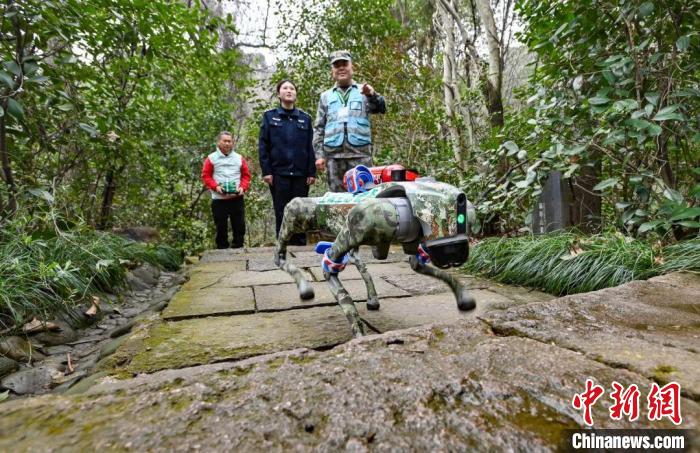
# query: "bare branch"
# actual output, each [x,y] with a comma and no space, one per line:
[257,46]
[500,181]
[468,44]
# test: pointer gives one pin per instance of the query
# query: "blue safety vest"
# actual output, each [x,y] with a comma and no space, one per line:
[351,116]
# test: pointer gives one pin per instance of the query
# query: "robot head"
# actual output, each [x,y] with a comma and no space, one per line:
[358,179]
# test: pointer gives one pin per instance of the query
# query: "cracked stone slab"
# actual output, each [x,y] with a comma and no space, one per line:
[218,267]
[286,297]
[211,301]
[290,248]
[406,312]
[267,263]
[650,327]
[518,294]
[417,284]
[437,388]
[222,256]
[376,271]
[202,280]
[206,340]
[250,278]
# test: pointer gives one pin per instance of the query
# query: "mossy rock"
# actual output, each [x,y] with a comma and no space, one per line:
[7,366]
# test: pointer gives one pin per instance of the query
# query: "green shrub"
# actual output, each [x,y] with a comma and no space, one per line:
[567,263]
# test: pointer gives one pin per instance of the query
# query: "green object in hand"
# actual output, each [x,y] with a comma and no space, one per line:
[229,187]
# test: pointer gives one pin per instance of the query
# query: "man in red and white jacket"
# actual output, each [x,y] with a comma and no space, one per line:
[223,170]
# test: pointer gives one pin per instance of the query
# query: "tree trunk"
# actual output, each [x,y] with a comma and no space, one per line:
[663,157]
[108,197]
[7,174]
[587,212]
[494,78]
[451,94]
[467,110]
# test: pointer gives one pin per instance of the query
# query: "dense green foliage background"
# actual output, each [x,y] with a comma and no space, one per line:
[108,109]
[611,101]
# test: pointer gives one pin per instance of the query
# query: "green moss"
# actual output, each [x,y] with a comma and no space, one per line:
[437,335]
[397,415]
[302,359]
[662,373]
[148,356]
[179,402]
[531,415]
[276,363]
[236,371]
[56,427]
[118,363]
[665,369]
[172,345]
[107,415]
[72,422]
[172,385]
[436,402]
[85,383]
[242,371]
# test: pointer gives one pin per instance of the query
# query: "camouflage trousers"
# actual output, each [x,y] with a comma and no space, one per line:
[337,166]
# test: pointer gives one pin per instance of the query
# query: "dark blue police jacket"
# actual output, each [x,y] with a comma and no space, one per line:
[285,146]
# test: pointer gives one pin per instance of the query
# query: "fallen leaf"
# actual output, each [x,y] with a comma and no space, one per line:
[92,311]
[573,253]
[659,260]
[70,364]
[4,395]
[36,325]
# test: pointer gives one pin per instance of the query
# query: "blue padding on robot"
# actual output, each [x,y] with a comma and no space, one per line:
[422,256]
[358,179]
[330,266]
[322,246]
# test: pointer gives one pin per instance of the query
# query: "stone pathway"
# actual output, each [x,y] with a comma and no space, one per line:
[228,312]
[237,361]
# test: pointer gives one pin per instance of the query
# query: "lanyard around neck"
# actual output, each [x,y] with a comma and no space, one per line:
[344,97]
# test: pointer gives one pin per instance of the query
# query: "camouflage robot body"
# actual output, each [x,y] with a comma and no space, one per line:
[422,214]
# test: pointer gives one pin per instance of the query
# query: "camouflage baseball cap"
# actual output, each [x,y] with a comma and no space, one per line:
[340,55]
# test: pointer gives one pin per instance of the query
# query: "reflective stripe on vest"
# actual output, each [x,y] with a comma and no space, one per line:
[357,120]
[226,168]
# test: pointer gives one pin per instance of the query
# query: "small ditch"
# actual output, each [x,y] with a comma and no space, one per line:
[58,355]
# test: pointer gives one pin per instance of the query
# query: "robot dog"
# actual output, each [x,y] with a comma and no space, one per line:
[384,205]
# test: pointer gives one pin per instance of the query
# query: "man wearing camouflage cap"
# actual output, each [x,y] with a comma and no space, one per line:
[342,132]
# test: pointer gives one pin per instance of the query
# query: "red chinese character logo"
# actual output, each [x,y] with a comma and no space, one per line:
[665,402]
[626,402]
[587,399]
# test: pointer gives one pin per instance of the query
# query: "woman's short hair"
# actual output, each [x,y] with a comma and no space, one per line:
[282,82]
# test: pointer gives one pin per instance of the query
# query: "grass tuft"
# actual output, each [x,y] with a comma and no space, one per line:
[44,276]
[682,256]
[567,263]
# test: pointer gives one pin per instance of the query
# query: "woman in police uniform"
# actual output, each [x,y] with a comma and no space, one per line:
[285,149]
